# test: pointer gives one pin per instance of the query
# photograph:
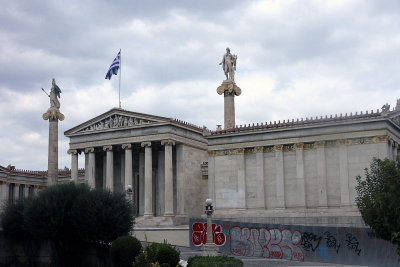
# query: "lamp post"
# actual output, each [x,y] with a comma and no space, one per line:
[209,249]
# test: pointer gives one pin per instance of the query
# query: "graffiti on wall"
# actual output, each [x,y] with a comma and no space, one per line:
[199,234]
[266,243]
[297,243]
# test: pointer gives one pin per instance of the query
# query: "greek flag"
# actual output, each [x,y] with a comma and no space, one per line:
[114,66]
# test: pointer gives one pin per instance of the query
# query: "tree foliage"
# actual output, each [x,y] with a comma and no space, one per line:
[379,197]
[71,216]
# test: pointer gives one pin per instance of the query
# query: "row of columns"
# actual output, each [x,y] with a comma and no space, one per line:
[7,195]
[148,181]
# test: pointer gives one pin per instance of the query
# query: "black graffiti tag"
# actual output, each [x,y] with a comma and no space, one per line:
[352,243]
[310,241]
[331,241]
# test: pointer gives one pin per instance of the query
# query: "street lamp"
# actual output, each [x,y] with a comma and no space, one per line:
[209,249]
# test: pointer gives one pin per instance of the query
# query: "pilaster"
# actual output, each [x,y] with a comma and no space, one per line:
[280,178]
[300,181]
[344,174]
[260,177]
[321,174]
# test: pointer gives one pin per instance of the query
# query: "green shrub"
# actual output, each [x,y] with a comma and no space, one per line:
[163,254]
[13,222]
[124,250]
[214,261]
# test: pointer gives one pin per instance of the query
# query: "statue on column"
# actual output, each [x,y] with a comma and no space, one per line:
[228,63]
[54,95]
[54,111]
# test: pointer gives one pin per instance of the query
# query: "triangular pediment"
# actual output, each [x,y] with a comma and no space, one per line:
[116,119]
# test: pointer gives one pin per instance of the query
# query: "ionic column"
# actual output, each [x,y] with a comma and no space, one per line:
[148,180]
[128,165]
[74,164]
[321,173]
[91,167]
[36,189]
[26,191]
[169,186]
[4,190]
[16,191]
[109,168]
[300,182]
[280,178]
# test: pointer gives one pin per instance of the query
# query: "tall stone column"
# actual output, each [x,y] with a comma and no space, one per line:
[74,164]
[91,167]
[53,114]
[148,180]
[4,191]
[169,186]
[141,184]
[229,89]
[109,168]
[128,165]
[16,192]
[26,191]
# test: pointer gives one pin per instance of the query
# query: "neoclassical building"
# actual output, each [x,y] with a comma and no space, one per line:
[298,171]
[158,157]
[18,184]
[301,171]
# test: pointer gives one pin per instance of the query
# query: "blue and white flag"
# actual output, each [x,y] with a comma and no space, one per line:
[114,66]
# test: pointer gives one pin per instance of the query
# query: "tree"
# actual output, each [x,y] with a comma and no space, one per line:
[379,198]
[74,216]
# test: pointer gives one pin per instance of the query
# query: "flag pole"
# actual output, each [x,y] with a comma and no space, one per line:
[120,72]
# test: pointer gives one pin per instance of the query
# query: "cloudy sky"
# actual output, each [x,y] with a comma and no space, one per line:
[295,59]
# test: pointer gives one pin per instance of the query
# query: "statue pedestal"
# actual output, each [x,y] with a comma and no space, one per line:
[229,89]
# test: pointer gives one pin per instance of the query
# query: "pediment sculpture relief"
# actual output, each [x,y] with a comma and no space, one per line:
[116,121]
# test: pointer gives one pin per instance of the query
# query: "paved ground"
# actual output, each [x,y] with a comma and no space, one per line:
[186,253]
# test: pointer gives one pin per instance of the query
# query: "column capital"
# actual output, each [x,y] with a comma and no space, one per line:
[258,149]
[277,148]
[168,142]
[319,144]
[72,151]
[107,148]
[15,184]
[126,146]
[298,146]
[145,144]
[89,150]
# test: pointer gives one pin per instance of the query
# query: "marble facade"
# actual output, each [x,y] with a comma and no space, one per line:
[159,157]
[297,172]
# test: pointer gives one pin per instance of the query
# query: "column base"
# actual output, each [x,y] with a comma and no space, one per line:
[209,249]
[169,214]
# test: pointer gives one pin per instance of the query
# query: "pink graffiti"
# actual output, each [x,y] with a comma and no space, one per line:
[199,235]
[261,242]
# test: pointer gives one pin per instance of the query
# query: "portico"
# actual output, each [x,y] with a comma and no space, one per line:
[150,153]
